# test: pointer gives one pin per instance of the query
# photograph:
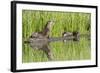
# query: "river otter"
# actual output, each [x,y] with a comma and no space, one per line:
[45,32]
[39,40]
[68,34]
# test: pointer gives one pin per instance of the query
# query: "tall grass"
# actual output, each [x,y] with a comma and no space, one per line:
[34,21]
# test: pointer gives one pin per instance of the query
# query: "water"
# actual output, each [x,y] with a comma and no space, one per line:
[60,50]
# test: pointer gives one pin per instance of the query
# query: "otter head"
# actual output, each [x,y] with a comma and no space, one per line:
[50,24]
[76,36]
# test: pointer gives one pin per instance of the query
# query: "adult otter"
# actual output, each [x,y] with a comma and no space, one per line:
[39,40]
[45,32]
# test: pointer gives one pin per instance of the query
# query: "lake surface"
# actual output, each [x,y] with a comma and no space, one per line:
[62,51]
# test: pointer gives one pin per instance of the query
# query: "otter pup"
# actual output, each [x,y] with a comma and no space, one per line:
[39,40]
[68,34]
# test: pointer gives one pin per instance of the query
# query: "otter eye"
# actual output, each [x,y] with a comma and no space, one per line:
[30,36]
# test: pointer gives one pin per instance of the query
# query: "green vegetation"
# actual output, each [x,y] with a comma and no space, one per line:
[34,21]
